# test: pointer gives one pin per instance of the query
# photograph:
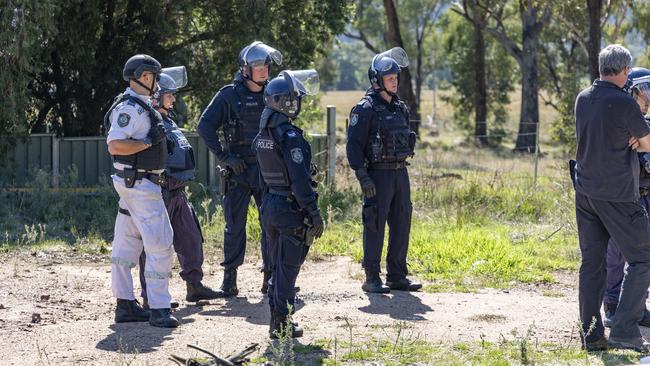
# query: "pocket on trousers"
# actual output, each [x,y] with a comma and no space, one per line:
[369,217]
[293,248]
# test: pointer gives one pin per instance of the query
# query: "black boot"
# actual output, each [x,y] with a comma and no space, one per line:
[280,326]
[163,318]
[197,292]
[229,286]
[265,282]
[403,285]
[130,311]
[373,283]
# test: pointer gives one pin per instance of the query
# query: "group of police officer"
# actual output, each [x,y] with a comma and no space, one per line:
[250,127]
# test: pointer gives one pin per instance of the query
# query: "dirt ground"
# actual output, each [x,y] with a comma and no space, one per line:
[56,308]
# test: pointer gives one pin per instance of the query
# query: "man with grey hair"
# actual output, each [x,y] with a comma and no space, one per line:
[610,129]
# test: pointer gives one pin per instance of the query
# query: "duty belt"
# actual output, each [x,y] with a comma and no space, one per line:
[388,166]
[286,194]
[644,191]
[158,179]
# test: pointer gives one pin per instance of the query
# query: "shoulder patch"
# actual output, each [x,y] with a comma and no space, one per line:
[296,155]
[123,120]
[354,118]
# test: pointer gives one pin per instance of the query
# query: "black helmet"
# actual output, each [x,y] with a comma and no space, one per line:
[257,54]
[136,65]
[387,63]
[284,93]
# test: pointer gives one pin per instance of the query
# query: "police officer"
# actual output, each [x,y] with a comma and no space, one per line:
[136,142]
[235,112]
[379,141]
[638,84]
[188,239]
[290,213]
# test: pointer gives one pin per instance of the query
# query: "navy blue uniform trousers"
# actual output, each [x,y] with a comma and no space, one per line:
[283,222]
[391,204]
[235,210]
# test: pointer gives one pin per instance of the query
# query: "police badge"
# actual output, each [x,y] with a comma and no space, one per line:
[123,120]
[354,118]
[296,155]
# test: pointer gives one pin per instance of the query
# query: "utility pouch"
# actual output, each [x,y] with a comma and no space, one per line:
[130,176]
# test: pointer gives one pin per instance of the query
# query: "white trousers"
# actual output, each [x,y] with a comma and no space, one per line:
[147,226]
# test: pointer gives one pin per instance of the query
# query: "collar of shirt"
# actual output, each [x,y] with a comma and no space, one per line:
[606,84]
[145,98]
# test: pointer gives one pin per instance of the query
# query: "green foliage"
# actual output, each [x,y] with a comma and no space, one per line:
[26,24]
[457,54]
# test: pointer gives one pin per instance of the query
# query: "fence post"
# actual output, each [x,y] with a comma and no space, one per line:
[536,152]
[212,169]
[56,160]
[331,144]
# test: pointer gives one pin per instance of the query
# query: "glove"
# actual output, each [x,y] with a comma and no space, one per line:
[156,134]
[317,225]
[367,185]
[238,165]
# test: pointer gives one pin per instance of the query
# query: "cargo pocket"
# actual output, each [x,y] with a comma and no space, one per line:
[369,216]
[294,249]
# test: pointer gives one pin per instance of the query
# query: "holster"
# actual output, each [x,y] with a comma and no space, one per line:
[130,176]
[572,172]
[309,239]
[224,182]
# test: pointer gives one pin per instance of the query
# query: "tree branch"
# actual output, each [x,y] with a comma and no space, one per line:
[363,38]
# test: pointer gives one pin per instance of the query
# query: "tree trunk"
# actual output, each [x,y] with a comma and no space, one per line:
[594,7]
[405,89]
[529,116]
[480,86]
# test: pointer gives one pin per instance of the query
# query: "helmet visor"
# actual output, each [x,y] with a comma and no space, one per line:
[642,90]
[383,61]
[304,82]
[178,74]
[260,54]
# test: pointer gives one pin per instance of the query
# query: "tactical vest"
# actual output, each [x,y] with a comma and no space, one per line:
[270,158]
[244,121]
[152,158]
[180,161]
[394,140]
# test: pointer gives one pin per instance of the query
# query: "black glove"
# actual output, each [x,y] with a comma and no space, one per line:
[317,225]
[157,134]
[237,164]
[367,185]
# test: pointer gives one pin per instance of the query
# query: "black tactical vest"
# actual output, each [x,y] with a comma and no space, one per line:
[394,140]
[243,123]
[270,159]
[152,158]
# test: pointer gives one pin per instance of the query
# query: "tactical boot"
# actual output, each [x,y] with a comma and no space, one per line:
[403,285]
[197,292]
[163,318]
[281,327]
[130,311]
[173,304]
[637,344]
[265,282]
[373,283]
[610,311]
[229,286]
[596,346]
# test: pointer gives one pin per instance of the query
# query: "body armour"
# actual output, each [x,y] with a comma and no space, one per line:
[180,161]
[270,159]
[245,108]
[394,140]
[152,158]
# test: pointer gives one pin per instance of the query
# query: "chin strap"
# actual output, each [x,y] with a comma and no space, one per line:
[151,90]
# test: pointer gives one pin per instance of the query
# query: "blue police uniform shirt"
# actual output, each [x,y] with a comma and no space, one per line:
[363,125]
[607,168]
